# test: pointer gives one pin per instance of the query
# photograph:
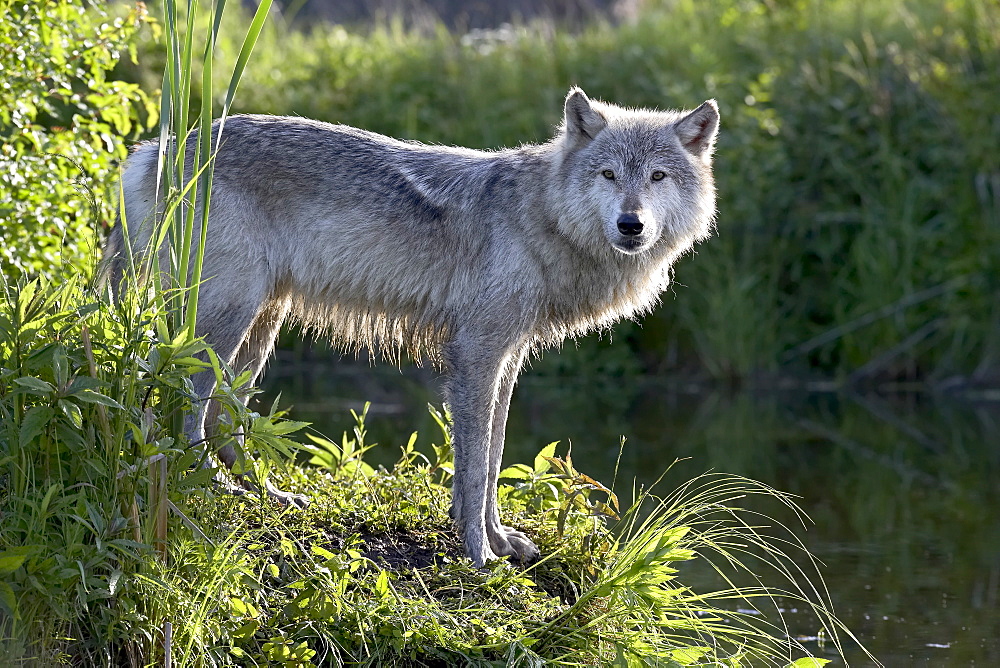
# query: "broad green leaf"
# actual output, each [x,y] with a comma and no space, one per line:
[808,662]
[321,552]
[243,608]
[382,584]
[34,385]
[517,472]
[60,365]
[541,459]
[34,423]
[11,560]
[199,478]
[280,428]
[72,412]
[687,656]
[91,397]
[8,600]
[84,383]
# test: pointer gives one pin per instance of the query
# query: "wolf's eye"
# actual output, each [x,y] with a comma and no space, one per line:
[658,175]
[608,174]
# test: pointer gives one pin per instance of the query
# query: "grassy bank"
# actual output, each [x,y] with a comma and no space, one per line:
[115,549]
[857,228]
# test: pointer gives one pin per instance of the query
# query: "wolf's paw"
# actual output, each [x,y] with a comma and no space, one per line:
[286,498]
[228,486]
[508,542]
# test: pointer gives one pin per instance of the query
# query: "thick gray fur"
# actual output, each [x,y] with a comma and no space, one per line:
[474,258]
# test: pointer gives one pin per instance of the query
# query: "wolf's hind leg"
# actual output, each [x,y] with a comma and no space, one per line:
[253,354]
[225,328]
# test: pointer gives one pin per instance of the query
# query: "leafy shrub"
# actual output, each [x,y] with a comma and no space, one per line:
[94,475]
[63,124]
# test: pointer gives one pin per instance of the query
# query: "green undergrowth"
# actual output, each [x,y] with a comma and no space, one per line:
[373,573]
[117,549]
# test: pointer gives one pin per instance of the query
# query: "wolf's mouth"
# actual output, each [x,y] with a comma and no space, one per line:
[629,245]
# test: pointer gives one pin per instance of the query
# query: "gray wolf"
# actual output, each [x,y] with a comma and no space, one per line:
[474,258]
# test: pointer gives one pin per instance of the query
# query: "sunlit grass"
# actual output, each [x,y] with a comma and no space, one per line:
[372,572]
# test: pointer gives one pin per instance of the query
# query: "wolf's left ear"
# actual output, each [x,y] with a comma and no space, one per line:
[582,121]
[697,130]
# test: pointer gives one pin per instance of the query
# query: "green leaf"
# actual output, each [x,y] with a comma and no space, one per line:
[34,385]
[260,16]
[91,397]
[382,584]
[517,472]
[243,608]
[541,459]
[11,560]
[72,412]
[321,552]
[60,365]
[245,632]
[199,478]
[280,428]
[687,656]
[8,600]
[34,423]
[808,662]
[84,383]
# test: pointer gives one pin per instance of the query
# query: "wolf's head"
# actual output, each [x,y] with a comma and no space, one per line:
[644,175]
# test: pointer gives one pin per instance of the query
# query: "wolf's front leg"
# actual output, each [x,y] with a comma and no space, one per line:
[505,540]
[474,376]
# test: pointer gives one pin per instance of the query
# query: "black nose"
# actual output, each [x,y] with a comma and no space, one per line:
[629,225]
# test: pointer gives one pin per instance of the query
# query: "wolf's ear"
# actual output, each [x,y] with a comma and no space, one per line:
[582,121]
[697,130]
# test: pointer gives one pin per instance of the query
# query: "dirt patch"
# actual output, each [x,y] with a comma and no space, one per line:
[401,550]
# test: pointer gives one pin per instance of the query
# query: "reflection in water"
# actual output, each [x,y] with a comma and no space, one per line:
[903,491]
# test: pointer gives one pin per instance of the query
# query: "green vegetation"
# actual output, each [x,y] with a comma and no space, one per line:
[63,125]
[110,533]
[858,186]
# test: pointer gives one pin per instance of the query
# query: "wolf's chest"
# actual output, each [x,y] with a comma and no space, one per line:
[592,301]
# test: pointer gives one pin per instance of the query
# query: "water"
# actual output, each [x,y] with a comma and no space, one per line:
[903,490]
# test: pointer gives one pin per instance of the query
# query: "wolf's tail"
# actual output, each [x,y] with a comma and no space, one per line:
[111,270]
[138,183]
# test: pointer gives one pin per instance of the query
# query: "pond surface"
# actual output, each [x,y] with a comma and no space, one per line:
[903,490]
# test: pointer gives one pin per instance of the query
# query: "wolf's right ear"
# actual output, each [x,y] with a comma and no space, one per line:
[581,121]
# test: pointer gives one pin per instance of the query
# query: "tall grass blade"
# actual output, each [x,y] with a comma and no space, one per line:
[256,25]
